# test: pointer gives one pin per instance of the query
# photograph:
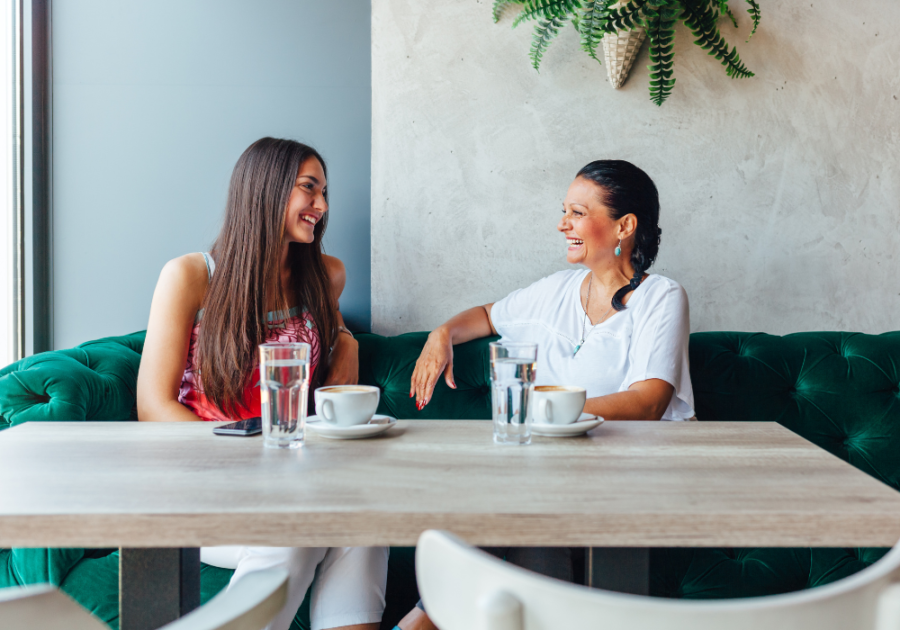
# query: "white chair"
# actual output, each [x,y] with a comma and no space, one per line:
[466,589]
[248,605]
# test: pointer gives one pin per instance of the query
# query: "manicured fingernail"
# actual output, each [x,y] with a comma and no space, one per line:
[411,394]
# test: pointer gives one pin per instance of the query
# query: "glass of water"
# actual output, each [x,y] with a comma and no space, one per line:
[283,389]
[512,386]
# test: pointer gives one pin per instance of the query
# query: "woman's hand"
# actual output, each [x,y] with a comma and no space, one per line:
[436,357]
[344,362]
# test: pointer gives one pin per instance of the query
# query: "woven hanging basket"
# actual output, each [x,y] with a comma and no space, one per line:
[620,50]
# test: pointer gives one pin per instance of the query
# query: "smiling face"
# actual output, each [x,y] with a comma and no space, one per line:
[307,204]
[591,233]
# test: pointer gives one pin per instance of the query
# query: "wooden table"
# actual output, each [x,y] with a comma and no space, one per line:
[625,487]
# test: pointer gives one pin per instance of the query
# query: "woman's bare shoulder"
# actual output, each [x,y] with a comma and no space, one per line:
[337,273]
[185,276]
[334,265]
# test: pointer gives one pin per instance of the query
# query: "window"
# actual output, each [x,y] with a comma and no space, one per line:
[7,244]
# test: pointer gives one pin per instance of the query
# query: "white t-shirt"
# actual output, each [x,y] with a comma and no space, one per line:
[649,339]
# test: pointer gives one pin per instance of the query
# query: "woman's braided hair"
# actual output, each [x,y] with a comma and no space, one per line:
[629,190]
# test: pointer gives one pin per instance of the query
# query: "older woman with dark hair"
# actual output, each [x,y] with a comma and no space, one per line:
[613,329]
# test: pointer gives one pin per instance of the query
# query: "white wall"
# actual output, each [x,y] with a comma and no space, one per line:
[780,194]
[154,103]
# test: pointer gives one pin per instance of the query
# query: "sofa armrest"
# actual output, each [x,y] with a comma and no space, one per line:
[94,381]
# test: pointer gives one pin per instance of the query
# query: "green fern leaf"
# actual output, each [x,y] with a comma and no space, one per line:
[724,8]
[754,12]
[702,22]
[546,10]
[659,22]
[591,22]
[544,33]
[500,5]
[624,18]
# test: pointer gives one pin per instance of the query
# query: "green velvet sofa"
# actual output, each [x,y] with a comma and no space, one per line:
[841,391]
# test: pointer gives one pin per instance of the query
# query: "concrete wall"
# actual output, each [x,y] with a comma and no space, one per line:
[779,193]
[153,104]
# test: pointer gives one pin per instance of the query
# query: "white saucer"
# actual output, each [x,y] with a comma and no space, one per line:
[378,424]
[581,426]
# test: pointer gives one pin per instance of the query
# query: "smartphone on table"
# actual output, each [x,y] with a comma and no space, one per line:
[251,426]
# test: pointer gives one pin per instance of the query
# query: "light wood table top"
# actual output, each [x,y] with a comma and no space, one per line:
[626,484]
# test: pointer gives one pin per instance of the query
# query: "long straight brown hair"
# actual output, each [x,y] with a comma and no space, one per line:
[247,280]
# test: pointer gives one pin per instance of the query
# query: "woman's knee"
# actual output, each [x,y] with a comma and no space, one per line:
[351,579]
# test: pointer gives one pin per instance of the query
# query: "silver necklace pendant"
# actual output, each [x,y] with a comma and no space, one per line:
[587,305]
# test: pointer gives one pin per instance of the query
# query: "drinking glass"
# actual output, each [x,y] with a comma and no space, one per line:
[512,386]
[283,389]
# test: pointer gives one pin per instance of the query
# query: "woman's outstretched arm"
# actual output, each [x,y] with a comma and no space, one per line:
[176,300]
[437,355]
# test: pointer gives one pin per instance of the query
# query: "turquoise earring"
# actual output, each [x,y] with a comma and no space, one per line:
[619,248]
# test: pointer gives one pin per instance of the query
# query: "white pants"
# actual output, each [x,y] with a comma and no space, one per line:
[348,587]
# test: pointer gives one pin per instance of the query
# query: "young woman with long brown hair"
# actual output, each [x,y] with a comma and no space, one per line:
[266,279]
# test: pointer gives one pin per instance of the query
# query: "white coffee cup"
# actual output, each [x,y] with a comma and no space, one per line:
[558,404]
[347,405]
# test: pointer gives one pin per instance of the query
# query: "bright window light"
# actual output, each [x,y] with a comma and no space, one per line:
[6,216]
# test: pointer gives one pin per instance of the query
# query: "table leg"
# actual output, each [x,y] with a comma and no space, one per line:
[620,569]
[157,586]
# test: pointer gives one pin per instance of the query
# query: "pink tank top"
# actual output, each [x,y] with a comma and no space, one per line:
[298,326]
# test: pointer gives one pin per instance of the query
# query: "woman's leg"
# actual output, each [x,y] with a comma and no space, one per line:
[300,562]
[416,619]
[348,590]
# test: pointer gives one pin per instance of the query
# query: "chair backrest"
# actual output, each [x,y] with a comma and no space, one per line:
[249,604]
[43,607]
[465,589]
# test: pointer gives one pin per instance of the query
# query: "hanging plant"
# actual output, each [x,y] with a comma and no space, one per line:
[622,25]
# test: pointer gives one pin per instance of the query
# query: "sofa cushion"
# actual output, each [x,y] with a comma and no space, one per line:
[94,381]
[722,573]
[388,362]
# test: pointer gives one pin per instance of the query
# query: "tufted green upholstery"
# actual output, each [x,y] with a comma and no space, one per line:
[95,381]
[388,362]
[838,390]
